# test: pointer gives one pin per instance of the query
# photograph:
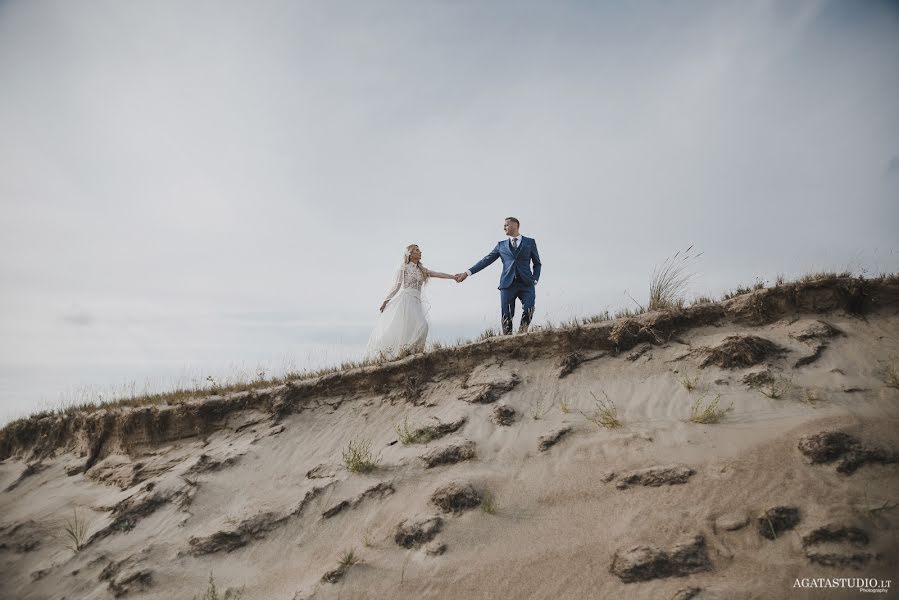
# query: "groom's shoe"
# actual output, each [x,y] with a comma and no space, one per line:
[523,328]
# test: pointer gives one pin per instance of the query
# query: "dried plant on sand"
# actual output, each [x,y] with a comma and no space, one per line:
[669,282]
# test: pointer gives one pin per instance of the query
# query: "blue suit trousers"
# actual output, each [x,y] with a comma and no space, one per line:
[525,293]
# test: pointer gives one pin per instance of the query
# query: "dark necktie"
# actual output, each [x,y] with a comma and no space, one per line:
[514,244]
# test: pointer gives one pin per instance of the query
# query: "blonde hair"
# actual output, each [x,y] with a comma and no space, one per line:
[407,258]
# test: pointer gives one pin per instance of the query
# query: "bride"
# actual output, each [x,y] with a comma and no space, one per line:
[403,326]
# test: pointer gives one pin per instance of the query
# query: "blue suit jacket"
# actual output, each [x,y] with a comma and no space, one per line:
[515,262]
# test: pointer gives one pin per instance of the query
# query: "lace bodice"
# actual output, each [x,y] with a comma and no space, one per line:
[412,277]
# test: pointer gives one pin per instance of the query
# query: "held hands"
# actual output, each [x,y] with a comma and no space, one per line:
[460,277]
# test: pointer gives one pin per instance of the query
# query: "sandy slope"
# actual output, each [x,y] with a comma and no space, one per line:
[558,521]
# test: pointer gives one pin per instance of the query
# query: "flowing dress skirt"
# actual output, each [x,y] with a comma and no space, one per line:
[402,327]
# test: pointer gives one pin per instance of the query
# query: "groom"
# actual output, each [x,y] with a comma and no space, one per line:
[516,281]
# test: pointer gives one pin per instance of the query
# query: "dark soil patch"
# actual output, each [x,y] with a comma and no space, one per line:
[814,356]
[551,439]
[256,527]
[336,509]
[758,379]
[777,520]
[836,534]
[830,446]
[488,393]
[569,362]
[817,330]
[643,563]
[655,476]
[335,575]
[831,559]
[427,433]
[740,351]
[416,533]
[456,497]
[449,455]
[503,415]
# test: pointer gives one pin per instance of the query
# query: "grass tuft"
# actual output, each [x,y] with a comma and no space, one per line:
[891,375]
[708,413]
[537,410]
[74,532]
[670,281]
[605,414]
[212,592]
[487,334]
[488,503]
[407,432]
[811,397]
[358,457]
[690,383]
[368,538]
[348,558]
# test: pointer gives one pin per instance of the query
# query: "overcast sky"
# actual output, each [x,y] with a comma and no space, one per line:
[192,188]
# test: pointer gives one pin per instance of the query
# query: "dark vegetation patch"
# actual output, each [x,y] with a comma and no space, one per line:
[427,433]
[450,454]
[813,357]
[545,442]
[379,491]
[644,562]
[830,446]
[740,351]
[777,520]
[416,533]
[488,393]
[653,476]
[503,415]
[456,497]
[836,533]
[256,527]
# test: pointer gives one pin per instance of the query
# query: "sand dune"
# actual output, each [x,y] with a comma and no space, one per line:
[252,487]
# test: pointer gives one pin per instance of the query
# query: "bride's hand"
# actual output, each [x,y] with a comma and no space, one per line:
[383,306]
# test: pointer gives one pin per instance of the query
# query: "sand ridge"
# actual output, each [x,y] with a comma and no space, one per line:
[656,507]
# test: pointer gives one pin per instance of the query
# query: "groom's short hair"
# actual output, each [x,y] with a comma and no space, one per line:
[514,220]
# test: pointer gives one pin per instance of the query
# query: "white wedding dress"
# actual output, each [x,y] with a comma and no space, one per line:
[403,325]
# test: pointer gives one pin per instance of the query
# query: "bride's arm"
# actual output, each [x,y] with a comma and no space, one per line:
[439,275]
[396,288]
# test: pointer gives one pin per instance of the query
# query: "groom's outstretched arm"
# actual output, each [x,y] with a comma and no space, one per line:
[535,259]
[486,261]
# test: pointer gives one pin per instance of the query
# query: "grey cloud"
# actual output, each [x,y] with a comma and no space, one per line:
[893,165]
[79,319]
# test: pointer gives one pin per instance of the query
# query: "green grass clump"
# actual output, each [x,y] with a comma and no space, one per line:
[488,503]
[407,432]
[690,383]
[605,414]
[708,413]
[358,457]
